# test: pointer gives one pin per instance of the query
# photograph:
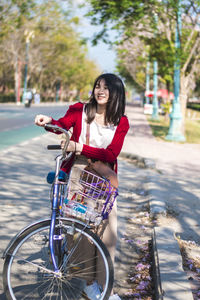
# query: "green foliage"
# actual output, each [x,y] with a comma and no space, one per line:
[56,52]
[137,18]
[166,107]
[194,106]
[154,23]
[121,69]
[163,51]
[13,13]
[197,88]
[120,12]
[7,98]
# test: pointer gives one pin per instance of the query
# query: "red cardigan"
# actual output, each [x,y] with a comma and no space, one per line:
[73,119]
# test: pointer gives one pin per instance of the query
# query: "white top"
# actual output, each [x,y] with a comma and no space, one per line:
[100,135]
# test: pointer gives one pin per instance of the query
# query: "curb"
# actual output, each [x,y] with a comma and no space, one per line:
[139,160]
[170,279]
[14,104]
[156,199]
[157,205]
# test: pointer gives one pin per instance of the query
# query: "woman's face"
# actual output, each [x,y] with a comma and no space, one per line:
[101,92]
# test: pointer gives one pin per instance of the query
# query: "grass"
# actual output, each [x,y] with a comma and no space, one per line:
[160,127]
[192,131]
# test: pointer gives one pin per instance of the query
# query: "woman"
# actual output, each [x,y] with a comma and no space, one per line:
[108,127]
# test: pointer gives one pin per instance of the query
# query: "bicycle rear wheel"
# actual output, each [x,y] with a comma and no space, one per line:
[28,271]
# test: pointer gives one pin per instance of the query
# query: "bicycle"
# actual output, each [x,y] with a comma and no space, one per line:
[46,259]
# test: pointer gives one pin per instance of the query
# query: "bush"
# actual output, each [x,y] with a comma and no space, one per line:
[166,107]
[195,106]
[7,98]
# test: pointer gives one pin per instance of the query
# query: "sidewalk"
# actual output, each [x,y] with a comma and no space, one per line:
[175,191]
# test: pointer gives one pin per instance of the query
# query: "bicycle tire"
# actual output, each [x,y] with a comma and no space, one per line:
[28,271]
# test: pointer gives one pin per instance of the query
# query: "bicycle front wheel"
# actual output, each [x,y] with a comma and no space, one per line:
[82,258]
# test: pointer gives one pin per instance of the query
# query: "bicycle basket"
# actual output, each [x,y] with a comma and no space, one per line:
[89,196]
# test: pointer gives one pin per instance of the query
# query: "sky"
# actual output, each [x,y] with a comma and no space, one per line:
[101,54]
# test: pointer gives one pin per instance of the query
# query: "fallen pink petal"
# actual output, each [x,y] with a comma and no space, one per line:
[142,285]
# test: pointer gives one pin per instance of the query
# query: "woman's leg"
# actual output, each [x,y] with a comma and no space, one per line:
[108,234]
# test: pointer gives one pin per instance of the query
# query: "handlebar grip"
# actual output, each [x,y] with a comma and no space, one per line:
[48,126]
[54,147]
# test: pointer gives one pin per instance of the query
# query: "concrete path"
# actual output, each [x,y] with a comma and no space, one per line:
[178,168]
[175,200]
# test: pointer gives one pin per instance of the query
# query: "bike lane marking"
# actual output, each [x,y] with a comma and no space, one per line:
[15,136]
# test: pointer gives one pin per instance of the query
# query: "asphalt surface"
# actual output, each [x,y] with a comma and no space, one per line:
[17,122]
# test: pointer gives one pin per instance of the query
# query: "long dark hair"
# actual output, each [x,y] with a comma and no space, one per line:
[115,106]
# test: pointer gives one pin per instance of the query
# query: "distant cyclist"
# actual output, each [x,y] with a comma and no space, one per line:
[28,98]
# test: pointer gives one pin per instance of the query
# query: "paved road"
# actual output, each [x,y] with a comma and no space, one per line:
[17,122]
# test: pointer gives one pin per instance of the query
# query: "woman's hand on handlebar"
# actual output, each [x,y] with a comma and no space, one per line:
[41,120]
[72,147]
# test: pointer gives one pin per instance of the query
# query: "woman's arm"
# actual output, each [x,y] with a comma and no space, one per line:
[72,116]
[111,153]
[65,122]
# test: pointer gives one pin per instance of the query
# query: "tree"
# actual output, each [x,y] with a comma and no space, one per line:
[57,54]
[12,14]
[132,62]
[137,19]
[61,52]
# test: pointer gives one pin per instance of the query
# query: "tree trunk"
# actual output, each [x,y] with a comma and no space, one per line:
[16,78]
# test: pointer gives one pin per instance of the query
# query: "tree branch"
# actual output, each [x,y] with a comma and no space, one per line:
[191,54]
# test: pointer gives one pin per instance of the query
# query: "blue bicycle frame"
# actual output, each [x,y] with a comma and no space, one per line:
[55,206]
[57,199]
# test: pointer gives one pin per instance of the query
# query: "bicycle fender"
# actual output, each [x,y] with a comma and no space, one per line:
[76,221]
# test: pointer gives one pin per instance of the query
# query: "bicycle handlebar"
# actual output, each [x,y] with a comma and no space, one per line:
[54,147]
[56,129]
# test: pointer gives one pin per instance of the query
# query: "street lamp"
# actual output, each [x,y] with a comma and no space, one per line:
[155,80]
[28,35]
[57,91]
[175,133]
